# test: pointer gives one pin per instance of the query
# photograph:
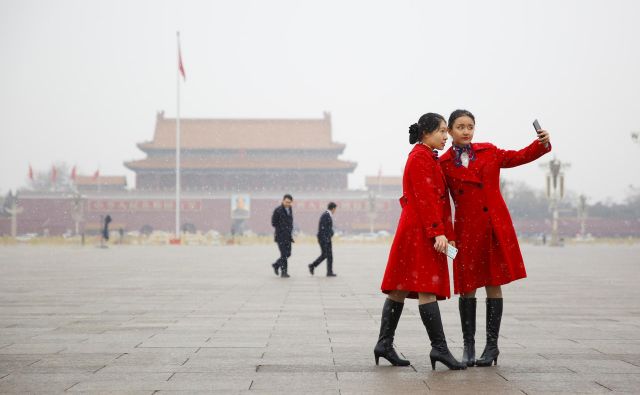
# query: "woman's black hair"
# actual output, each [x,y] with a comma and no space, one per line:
[460,113]
[427,123]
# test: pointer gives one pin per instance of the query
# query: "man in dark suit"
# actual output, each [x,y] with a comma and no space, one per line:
[325,233]
[104,235]
[282,221]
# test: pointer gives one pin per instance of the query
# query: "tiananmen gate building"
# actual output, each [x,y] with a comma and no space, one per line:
[243,155]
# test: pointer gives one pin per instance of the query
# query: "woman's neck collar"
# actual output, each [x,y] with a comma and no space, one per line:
[426,145]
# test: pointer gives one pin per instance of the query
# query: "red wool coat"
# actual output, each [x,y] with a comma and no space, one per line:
[413,264]
[488,250]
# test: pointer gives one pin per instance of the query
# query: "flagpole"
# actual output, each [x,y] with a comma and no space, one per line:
[178,141]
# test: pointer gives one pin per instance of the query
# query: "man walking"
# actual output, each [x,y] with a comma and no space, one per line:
[104,235]
[282,221]
[325,233]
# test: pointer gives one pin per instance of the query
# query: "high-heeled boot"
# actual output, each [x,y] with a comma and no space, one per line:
[467,307]
[430,314]
[388,323]
[494,316]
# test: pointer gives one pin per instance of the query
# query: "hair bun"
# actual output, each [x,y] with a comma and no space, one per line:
[414,132]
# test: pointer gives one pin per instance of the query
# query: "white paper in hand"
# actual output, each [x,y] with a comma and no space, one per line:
[451,251]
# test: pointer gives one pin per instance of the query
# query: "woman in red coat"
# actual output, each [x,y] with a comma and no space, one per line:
[489,255]
[417,265]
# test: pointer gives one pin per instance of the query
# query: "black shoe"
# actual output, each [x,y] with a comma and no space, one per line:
[285,275]
[388,323]
[430,314]
[467,307]
[311,268]
[331,274]
[494,316]
[275,268]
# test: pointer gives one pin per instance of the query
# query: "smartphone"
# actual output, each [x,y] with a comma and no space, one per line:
[536,126]
[451,251]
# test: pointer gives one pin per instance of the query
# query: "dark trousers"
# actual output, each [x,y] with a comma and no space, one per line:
[327,253]
[285,252]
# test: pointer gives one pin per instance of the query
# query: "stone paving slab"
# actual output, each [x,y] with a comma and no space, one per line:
[189,320]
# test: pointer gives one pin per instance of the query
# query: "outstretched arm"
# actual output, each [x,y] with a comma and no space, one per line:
[510,158]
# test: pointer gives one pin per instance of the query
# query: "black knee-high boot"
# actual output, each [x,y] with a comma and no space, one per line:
[467,307]
[494,316]
[430,314]
[388,323]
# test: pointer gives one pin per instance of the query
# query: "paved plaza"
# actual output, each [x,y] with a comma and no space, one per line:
[134,319]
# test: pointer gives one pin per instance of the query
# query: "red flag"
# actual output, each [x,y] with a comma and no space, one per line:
[54,174]
[30,172]
[73,173]
[180,65]
[96,174]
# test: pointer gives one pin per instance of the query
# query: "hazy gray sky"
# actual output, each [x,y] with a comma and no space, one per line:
[81,81]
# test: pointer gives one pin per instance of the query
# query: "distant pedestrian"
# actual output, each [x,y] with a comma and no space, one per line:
[104,236]
[282,221]
[325,233]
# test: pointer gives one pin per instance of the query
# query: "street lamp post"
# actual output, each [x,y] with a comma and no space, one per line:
[14,210]
[582,216]
[77,212]
[555,193]
[372,214]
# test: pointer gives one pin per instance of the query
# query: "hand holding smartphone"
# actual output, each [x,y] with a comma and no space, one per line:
[451,251]
[538,128]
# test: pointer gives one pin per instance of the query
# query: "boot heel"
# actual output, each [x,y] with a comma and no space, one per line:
[377,357]
[495,361]
[433,363]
